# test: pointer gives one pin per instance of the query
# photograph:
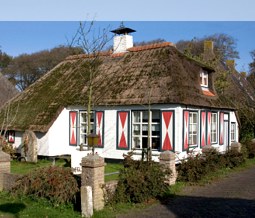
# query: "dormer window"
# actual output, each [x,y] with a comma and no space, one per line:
[204,79]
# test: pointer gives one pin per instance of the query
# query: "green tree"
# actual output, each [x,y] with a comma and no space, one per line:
[5,59]
[224,46]
[27,68]
[251,76]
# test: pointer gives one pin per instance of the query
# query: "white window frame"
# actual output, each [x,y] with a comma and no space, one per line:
[139,126]
[233,132]
[83,126]
[193,128]
[214,127]
[204,79]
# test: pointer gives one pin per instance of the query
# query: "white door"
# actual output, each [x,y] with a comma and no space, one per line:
[226,132]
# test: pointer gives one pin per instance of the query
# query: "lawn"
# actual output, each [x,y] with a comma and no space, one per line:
[18,167]
[25,207]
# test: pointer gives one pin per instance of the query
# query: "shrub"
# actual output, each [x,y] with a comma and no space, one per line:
[140,181]
[250,146]
[56,184]
[192,169]
[234,158]
[8,148]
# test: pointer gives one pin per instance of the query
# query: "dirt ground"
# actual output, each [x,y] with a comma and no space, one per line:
[233,196]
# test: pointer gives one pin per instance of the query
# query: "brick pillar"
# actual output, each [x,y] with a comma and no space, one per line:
[5,166]
[167,158]
[93,175]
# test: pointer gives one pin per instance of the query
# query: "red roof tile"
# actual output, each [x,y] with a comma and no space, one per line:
[208,93]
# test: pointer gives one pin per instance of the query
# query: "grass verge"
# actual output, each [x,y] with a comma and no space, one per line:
[25,207]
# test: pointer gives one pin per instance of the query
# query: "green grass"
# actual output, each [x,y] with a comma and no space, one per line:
[111,168]
[18,167]
[25,207]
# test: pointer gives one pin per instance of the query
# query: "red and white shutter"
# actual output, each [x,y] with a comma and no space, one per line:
[221,128]
[122,130]
[167,130]
[11,136]
[203,128]
[209,123]
[100,127]
[185,130]
[73,127]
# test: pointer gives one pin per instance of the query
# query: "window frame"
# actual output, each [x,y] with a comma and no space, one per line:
[81,124]
[204,79]
[216,128]
[190,129]
[143,124]
[233,132]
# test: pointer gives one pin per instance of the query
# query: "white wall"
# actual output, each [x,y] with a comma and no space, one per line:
[56,140]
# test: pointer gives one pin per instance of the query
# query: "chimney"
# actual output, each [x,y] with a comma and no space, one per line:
[122,40]
[230,64]
[208,50]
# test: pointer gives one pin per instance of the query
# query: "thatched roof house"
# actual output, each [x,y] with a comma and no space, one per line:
[152,85]
[122,79]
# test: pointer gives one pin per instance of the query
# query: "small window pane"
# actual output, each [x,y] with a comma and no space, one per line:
[136,116]
[145,117]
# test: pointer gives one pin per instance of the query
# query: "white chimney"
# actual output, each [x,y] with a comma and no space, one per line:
[121,43]
[122,40]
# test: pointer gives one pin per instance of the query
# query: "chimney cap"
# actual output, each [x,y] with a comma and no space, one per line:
[123,30]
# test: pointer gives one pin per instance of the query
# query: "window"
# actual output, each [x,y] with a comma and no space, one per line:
[233,132]
[144,128]
[193,126]
[204,79]
[214,125]
[84,124]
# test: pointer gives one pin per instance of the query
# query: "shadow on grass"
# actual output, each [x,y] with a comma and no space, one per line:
[12,208]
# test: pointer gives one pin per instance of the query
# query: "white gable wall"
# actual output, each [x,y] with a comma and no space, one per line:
[58,135]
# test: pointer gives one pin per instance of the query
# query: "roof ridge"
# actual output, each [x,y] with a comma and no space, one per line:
[132,49]
[101,53]
[151,46]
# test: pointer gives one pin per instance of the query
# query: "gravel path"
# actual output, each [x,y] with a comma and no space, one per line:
[233,196]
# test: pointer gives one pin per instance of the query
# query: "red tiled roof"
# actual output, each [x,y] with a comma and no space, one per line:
[151,46]
[133,49]
[208,93]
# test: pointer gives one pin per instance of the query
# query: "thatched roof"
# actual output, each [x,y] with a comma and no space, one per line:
[156,74]
[7,90]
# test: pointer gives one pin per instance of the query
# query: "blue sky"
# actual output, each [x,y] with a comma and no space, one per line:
[142,10]
[27,37]
[29,26]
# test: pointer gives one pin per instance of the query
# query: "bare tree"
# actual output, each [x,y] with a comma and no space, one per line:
[92,41]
